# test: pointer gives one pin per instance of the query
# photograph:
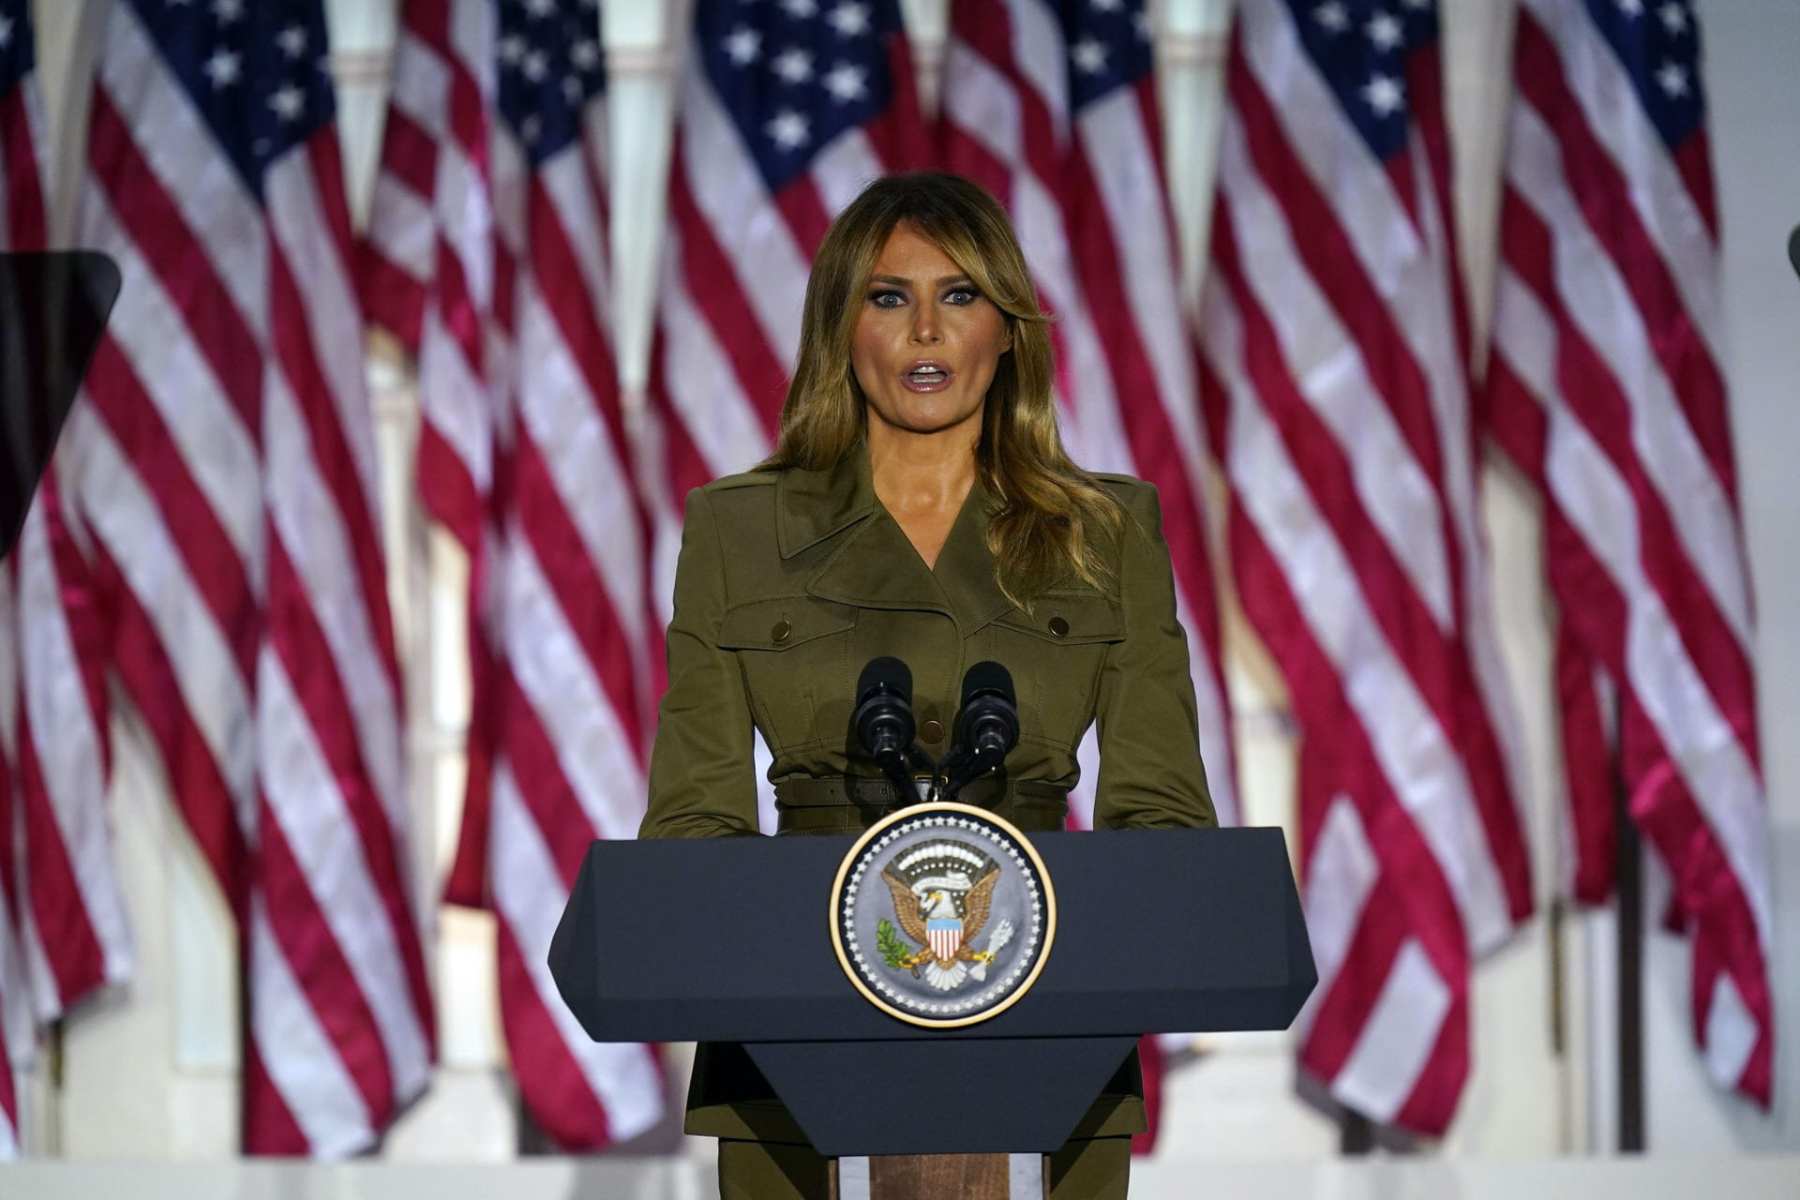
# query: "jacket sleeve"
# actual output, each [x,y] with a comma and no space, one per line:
[702,777]
[1151,775]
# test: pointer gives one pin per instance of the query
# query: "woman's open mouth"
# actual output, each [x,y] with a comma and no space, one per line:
[926,377]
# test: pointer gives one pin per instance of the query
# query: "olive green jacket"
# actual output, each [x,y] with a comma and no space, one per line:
[790,581]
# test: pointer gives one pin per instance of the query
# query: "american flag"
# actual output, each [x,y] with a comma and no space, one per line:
[63,931]
[1334,338]
[785,111]
[487,257]
[1053,108]
[1607,389]
[223,469]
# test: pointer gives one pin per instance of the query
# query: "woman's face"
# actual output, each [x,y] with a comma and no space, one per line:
[926,342]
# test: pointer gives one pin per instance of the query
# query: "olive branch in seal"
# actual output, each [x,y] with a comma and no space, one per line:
[894,952]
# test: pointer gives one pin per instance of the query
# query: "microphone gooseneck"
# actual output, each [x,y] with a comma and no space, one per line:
[884,718]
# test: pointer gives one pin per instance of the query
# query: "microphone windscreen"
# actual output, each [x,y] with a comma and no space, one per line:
[885,672]
[1794,249]
[988,678]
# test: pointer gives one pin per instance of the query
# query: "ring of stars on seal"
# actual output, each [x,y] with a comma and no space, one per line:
[942,915]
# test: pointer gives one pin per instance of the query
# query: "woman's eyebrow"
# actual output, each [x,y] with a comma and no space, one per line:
[901,281]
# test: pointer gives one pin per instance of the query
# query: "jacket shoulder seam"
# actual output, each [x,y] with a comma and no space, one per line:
[1130,483]
[743,479]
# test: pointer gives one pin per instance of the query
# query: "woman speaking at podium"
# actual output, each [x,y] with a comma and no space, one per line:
[919,504]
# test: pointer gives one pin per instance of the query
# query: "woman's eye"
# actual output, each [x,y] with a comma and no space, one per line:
[960,296]
[886,299]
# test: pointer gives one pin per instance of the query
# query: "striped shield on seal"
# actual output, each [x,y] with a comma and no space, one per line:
[945,934]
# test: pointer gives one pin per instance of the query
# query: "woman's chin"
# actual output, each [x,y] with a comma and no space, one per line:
[923,415]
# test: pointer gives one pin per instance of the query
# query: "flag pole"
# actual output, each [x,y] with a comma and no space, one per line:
[1629,894]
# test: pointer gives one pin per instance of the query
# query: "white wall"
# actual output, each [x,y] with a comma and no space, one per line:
[150,1072]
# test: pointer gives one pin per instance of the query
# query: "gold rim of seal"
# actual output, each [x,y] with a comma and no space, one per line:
[907,814]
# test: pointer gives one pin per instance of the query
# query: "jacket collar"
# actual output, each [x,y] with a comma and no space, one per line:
[875,566]
[810,506]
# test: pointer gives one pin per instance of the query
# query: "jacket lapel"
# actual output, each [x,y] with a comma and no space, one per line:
[874,565]
[811,506]
[965,566]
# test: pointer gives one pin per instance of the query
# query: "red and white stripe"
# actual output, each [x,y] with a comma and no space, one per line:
[1088,199]
[222,461]
[1607,388]
[73,930]
[1338,400]
[430,271]
[63,931]
[494,274]
[734,270]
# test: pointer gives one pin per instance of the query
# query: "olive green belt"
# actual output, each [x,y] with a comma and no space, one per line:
[852,803]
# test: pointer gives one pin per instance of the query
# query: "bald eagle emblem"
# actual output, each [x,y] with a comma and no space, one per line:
[942,893]
[960,924]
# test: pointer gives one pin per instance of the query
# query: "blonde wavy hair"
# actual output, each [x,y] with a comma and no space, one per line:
[1048,510]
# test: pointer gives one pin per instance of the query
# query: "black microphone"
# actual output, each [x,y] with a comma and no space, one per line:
[1794,249]
[884,718]
[989,720]
[987,728]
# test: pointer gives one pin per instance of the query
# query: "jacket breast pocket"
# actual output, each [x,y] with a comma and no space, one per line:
[1055,654]
[789,648]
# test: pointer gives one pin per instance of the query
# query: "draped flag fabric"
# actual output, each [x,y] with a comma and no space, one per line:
[1337,395]
[222,469]
[784,113]
[1053,109]
[63,931]
[1607,388]
[486,256]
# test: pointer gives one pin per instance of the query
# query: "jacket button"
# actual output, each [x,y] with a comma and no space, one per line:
[1059,627]
[932,731]
[780,632]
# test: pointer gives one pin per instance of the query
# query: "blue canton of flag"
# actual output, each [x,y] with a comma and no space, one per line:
[16,53]
[795,74]
[256,72]
[1659,43]
[1361,49]
[551,66]
[1109,46]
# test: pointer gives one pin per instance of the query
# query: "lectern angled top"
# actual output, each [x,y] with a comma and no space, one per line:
[53,307]
[1165,930]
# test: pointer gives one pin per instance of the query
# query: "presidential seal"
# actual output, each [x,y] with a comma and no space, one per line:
[942,915]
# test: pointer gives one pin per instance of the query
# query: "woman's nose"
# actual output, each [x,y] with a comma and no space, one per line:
[925,324]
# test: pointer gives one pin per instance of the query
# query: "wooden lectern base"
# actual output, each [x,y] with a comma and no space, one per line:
[933,1176]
